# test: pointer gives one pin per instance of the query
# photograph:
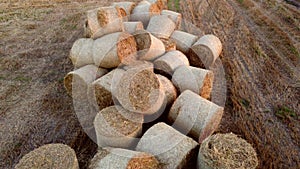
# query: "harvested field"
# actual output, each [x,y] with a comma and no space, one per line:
[261,57]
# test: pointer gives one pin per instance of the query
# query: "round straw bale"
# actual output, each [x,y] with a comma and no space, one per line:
[111,50]
[76,82]
[205,51]
[169,88]
[105,20]
[148,46]
[195,115]
[169,62]
[184,40]
[171,148]
[117,158]
[81,52]
[144,11]
[226,151]
[162,4]
[195,79]
[100,91]
[175,16]
[49,156]
[132,27]
[169,44]
[139,90]
[117,127]
[161,26]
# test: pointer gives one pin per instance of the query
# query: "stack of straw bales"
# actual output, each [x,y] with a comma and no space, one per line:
[135,63]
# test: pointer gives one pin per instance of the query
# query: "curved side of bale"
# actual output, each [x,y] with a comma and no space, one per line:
[49,156]
[77,81]
[195,115]
[175,16]
[184,40]
[169,62]
[148,46]
[226,151]
[195,79]
[117,127]
[132,27]
[111,50]
[123,159]
[105,20]
[161,26]
[171,148]
[81,52]
[139,90]
[143,12]
[205,51]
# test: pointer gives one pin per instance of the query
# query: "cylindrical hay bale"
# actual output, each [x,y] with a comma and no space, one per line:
[143,12]
[117,127]
[139,90]
[171,148]
[81,52]
[111,50]
[184,40]
[169,44]
[226,151]
[50,156]
[162,4]
[148,46]
[126,6]
[100,91]
[205,51]
[105,20]
[195,79]
[169,62]
[161,26]
[77,81]
[132,27]
[175,16]
[117,158]
[169,88]
[195,115]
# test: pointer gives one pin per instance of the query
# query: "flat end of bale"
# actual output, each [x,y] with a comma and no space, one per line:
[227,151]
[207,86]
[201,56]
[119,122]
[127,48]
[143,161]
[49,156]
[143,40]
[194,58]
[145,90]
